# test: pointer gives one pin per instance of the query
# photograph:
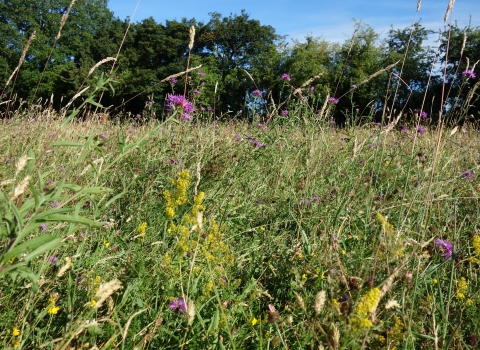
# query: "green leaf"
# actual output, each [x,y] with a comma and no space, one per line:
[70,117]
[74,188]
[53,244]
[44,214]
[73,219]
[87,147]
[31,244]
[96,190]
[66,143]
[120,195]
[94,103]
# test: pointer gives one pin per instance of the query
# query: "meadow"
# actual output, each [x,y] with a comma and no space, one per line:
[237,235]
[274,227]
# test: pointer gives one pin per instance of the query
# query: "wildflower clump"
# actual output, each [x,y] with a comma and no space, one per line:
[367,305]
[394,242]
[141,229]
[462,286]
[179,195]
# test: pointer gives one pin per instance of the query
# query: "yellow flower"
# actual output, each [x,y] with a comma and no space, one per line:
[462,287]
[52,309]
[476,244]
[107,244]
[435,281]
[254,321]
[300,255]
[15,332]
[141,229]
[262,228]
[344,252]
[93,303]
[16,343]
[304,277]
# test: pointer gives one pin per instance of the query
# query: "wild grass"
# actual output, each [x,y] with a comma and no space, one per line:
[283,232]
[320,238]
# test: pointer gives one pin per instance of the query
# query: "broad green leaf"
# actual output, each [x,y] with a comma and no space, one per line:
[74,188]
[73,219]
[96,190]
[87,147]
[66,143]
[31,244]
[53,244]
[120,195]
[44,214]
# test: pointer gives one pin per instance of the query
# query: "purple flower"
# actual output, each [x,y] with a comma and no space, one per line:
[196,92]
[202,109]
[103,137]
[43,227]
[138,116]
[468,175]
[53,260]
[172,80]
[284,112]
[404,129]
[201,74]
[150,103]
[357,110]
[312,88]
[54,205]
[380,196]
[178,305]
[420,130]
[424,115]
[354,86]
[257,93]
[342,175]
[209,108]
[445,246]
[9,160]
[469,74]
[286,77]
[181,103]
[255,143]
[4,96]
[62,169]
[333,100]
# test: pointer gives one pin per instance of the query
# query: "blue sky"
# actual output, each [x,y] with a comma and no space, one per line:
[331,20]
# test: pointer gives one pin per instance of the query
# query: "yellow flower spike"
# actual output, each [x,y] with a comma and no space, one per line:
[141,229]
[254,321]
[15,332]
[106,243]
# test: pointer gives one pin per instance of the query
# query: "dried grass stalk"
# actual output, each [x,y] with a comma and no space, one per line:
[308,82]
[21,164]
[64,20]
[300,301]
[322,110]
[108,59]
[335,336]
[192,38]
[105,290]
[65,267]
[77,95]
[320,299]
[22,56]
[20,189]
[449,9]
[464,43]
[7,182]
[378,73]
[190,312]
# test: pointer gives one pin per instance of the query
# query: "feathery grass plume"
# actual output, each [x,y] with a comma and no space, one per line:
[192,37]
[64,20]
[7,182]
[22,56]
[298,91]
[335,336]
[322,110]
[391,304]
[300,301]
[21,164]
[68,264]
[378,73]
[449,8]
[99,63]
[419,4]
[18,191]
[464,43]
[320,299]
[105,290]
[77,95]
[190,312]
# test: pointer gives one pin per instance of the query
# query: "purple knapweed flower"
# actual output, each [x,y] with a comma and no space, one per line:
[421,130]
[172,80]
[209,108]
[312,88]
[62,169]
[202,109]
[404,129]
[468,175]
[178,305]
[257,93]
[179,102]
[380,196]
[342,175]
[354,86]
[196,92]
[286,77]
[103,137]
[43,227]
[284,112]
[54,205]
[201,74]
[445,246]
[9,160]
[333,100]
[424,115]
[469,74]
[53,260]
[4,96]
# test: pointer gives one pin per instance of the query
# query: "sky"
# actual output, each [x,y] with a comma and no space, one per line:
[331,20]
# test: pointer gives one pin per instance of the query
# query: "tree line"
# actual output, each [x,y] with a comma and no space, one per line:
[238,55]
